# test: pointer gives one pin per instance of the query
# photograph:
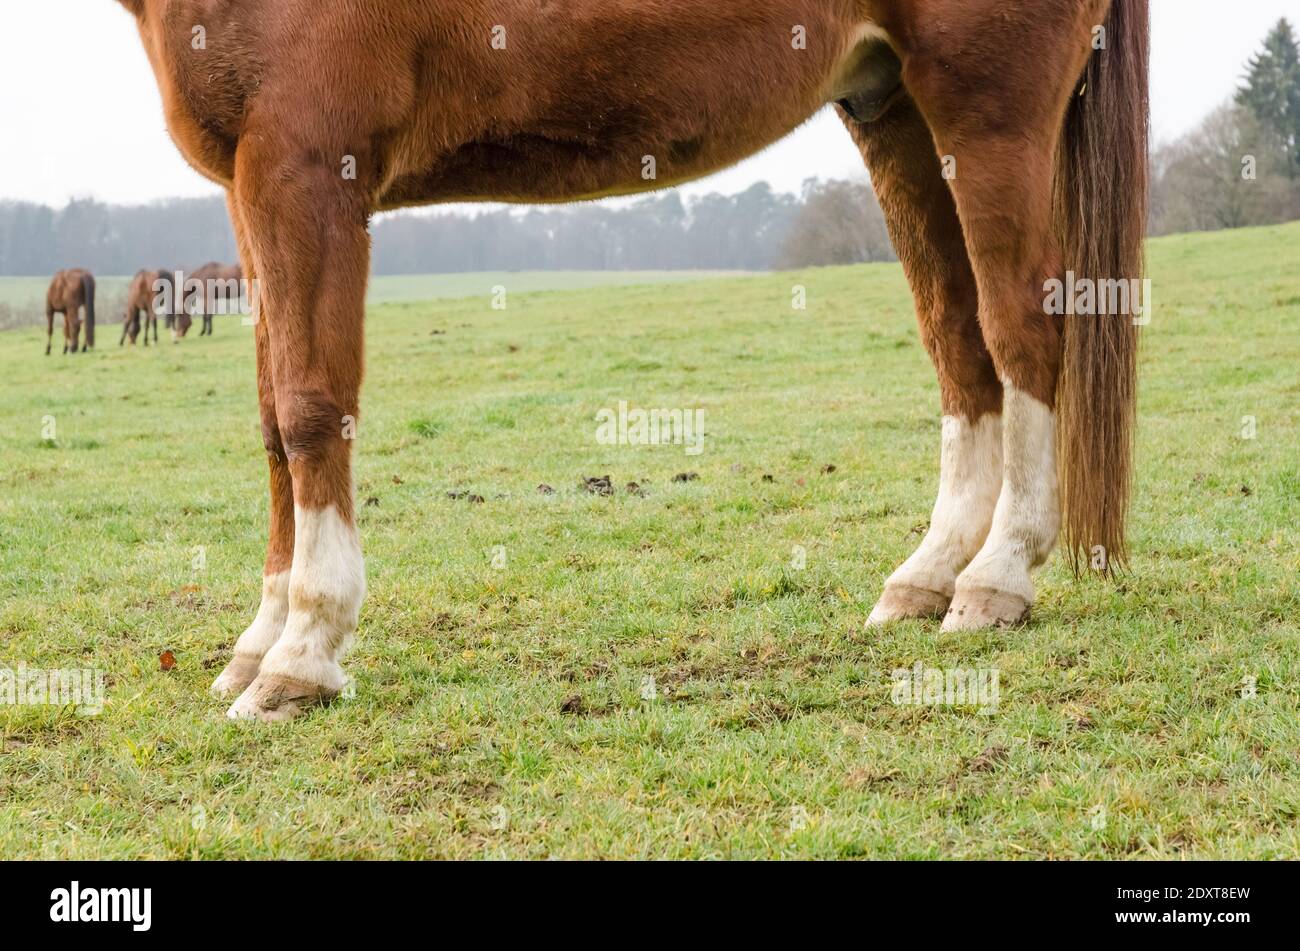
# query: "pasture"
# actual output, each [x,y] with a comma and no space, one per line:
[678,671]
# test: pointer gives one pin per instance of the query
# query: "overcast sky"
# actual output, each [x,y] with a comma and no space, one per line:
[80,114]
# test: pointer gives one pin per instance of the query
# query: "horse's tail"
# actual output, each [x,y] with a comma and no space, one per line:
[88,289]
[1101,214]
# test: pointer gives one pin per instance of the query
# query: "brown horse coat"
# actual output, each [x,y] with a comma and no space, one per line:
[212,289]
[1006,139]
[70,291]
[145,300]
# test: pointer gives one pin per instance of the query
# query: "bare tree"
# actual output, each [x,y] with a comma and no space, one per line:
[1229,172]
[840,222]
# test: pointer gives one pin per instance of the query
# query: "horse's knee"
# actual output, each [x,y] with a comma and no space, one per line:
[271,438]
[309,424]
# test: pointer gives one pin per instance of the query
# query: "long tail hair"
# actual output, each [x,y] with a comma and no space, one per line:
[1101,194]
[88,288]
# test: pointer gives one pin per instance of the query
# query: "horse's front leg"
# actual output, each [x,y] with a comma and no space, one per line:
[307,227]
[269,623]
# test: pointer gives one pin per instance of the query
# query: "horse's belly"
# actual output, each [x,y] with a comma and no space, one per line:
[547,165]
[615,111]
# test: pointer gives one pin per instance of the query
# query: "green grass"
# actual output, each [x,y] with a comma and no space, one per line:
[392,288]
[500,711]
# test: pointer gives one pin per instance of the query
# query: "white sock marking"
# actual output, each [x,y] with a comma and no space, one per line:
[267,626]
[326,588]
[1028,514]
[970,475]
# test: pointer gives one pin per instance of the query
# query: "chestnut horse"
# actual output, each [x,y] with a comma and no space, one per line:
[70,290]
[145,300]
[221,293]
[1005,138]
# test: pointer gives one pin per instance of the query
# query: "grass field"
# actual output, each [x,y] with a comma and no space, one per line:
[655,675]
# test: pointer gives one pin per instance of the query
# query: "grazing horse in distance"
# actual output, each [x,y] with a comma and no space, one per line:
[180,322]
[147,290]
[70,291]
[1006,140]
[221,291]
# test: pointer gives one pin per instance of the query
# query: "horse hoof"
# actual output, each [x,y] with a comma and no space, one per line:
[976,608]
[272,699]
[239,673]
[899,602]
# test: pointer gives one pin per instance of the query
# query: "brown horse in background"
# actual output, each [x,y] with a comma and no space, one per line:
[1006,139]
[219,290]
[147,297]
[70,291]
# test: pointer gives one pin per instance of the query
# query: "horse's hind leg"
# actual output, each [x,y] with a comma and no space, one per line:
[307,225]
[273,612]
[924,227]
[1003,161]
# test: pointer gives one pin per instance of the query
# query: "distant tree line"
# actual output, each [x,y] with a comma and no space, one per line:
[757,229]
[113,239]
[746,231]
